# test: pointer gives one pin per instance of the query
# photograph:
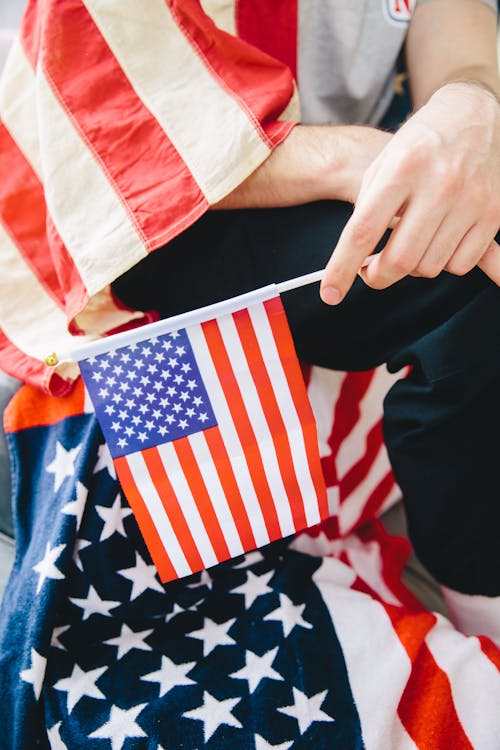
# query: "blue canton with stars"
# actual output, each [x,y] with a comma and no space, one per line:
[243,656]
[148,393]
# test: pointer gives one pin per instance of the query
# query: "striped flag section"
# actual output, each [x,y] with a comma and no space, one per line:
[211,431]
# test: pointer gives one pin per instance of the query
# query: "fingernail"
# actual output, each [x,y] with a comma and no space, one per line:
[367,261]
[330,295]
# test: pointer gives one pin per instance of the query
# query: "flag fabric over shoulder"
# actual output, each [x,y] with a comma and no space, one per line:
[212,435]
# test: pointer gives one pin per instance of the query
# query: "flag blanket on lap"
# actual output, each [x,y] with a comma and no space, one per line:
[309,642]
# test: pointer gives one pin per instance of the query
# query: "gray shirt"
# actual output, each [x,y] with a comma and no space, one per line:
[347,55]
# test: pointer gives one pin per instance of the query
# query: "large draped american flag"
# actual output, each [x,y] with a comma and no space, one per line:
[308,642]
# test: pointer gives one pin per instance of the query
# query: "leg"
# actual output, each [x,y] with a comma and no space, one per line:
[445,328]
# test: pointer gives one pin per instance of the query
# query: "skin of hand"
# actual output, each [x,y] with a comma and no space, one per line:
[437,181]
[440,174]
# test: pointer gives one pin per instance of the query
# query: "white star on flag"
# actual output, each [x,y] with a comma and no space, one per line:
[262,744]
[120,726]
[306,710]
[80,684]
[213,634]
[213,713]
[250,559]
[63,464]
[55,740]
[46,567]
[56,633]
[254,587]
[35,673]
[257,668]
[129,639]
[113,518]
[105,461]
[93,604]
[80,545]
[289,614]
[77,507]
[170,675]
[205,580]
[143,576]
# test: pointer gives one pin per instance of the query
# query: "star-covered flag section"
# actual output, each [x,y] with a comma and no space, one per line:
[211,431]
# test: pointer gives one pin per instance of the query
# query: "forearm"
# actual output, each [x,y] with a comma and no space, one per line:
[313,163]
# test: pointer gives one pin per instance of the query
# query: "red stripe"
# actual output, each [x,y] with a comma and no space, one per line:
[272,27]
[291,368]
[230,486]
[201,497]
[260,83]
[172,507]
[490,650]
[24,213]
[376,498]
[347,407]
[166,570]
[272,414]
[358,472]
[426,708]
[32,408]
[243,427]
[141,163]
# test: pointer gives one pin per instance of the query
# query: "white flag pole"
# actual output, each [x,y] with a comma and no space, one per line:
[99,346]
[308,278]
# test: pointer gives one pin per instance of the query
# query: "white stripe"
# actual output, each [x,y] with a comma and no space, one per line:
[353,505]
[353,446]
[221,507]
[187,503]
[377,664]
[366,559]
[257,419]
[229,435]
[24,300]
[18,105]
[323,391]
[222,12]
[148,492]
[169,75]
[288,412]
[85,226]
[474,680]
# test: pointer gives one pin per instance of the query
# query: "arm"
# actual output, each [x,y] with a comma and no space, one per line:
[313,163]
[441,172]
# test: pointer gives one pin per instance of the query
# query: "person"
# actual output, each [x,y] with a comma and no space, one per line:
[435,183]
[404,223]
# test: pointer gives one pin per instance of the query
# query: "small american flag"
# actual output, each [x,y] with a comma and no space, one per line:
[211,432]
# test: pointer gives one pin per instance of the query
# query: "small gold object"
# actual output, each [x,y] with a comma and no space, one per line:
[51,360]
[399,81]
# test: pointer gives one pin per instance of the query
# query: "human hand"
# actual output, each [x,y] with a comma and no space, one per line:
[440,174]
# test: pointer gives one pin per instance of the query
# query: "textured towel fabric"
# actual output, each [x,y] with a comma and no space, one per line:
[311,642]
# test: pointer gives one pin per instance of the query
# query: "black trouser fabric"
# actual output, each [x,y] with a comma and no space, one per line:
[440,423]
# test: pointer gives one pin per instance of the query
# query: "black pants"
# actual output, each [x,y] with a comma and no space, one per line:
[441,423]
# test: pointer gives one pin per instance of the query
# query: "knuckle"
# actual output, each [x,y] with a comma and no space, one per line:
[362,233]
[459,266]
[429,269]
[400,265]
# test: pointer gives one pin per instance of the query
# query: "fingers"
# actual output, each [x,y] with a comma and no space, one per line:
[372,216]
[406,248]
[490,262]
